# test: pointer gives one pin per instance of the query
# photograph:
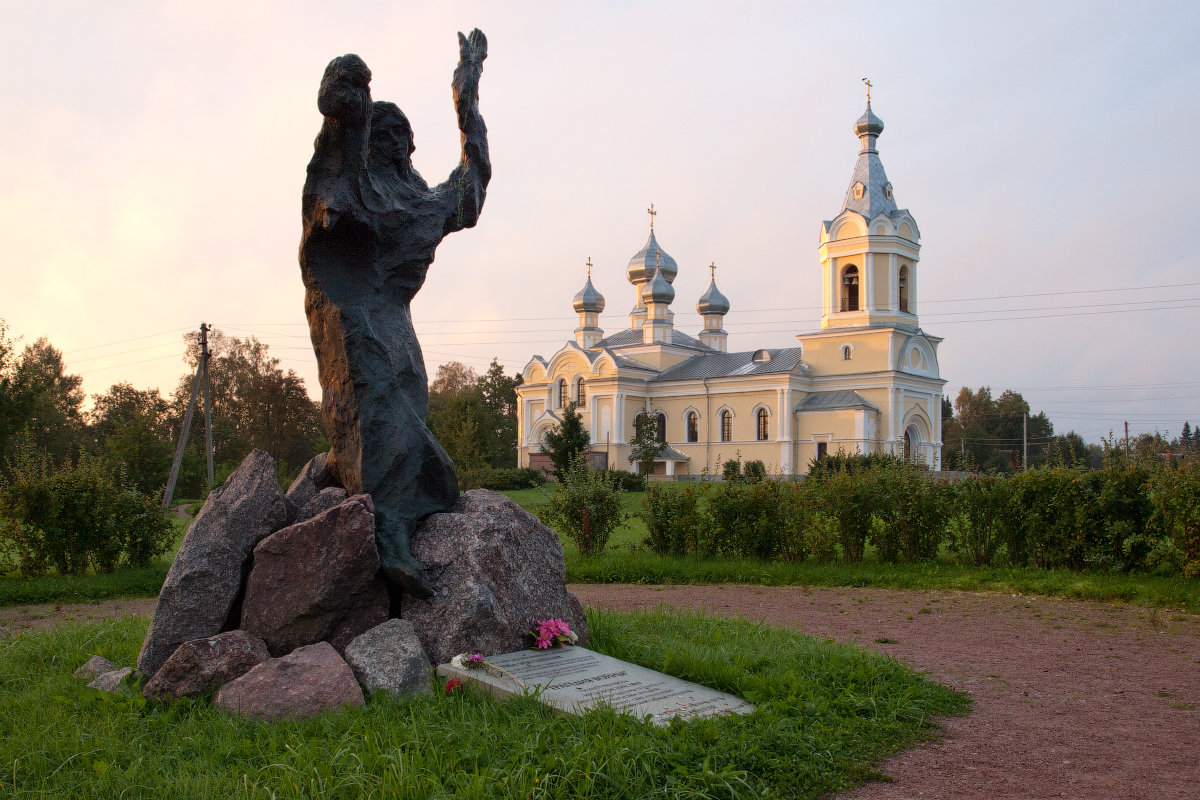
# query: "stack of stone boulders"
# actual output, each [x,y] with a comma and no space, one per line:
[276,604]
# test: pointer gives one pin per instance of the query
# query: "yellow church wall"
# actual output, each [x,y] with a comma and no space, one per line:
[882,282]
[869,350]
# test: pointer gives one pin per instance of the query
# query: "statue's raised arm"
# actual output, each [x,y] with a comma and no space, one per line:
[464,191]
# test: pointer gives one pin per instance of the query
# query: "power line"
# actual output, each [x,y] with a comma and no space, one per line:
[124,341]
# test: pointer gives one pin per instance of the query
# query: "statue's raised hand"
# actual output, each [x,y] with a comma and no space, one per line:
[472,50]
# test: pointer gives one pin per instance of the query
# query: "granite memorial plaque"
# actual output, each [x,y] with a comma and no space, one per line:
[575,679]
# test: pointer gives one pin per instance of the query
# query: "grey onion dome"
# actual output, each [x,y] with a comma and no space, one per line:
[657,290]
[868,123]
[589,300]
[641,266]
[712,301]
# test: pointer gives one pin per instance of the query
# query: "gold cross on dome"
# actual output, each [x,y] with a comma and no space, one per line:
[869,85]
[589,266]
[652,214]
[713,267]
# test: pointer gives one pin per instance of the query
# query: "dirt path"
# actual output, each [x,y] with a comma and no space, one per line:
[1072,699]
[18,619]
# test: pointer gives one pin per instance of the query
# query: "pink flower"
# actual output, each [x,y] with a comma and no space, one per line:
[542,642]
[475,659]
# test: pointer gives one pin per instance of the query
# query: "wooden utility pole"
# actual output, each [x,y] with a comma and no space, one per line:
[201,373]
[1025,441]
[205,355]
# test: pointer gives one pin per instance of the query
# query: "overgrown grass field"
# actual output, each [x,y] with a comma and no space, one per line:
[826,714]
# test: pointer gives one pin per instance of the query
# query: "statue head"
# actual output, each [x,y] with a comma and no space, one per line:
[391,133]
[345,89]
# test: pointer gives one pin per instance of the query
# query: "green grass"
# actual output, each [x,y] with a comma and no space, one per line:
[827,713]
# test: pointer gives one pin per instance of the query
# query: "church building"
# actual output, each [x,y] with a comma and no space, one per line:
[866,382]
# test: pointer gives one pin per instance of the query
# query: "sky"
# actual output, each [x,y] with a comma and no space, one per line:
[153,156]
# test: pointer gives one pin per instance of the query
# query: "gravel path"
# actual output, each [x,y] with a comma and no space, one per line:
[1072,699]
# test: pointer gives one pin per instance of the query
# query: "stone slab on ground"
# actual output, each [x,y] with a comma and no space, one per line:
[575,680]
[303,683]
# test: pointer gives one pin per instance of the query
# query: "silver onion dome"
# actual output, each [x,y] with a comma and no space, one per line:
[868,124]
[588,299]
[712,301]
[657,290]
[641,266]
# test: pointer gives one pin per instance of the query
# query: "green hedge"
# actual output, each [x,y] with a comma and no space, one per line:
[76,518]
[1121,519]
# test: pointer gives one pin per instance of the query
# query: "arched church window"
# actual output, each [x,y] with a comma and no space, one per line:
[693,427]
[563,398]
[661,432]
[580,393]
[726,426]
[903,286]
[850,288]
[762,424]
[846,351]
[908,446]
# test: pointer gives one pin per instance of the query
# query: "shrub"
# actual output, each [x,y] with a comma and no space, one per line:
[77,517]
[981,521]
[1175,497]
[675,525]
[627,481]
[755,471]
[585,506]
[504,480]
[731,470]
[749,519]
[1047,501]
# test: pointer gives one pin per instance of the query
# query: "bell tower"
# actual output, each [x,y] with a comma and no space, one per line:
[869,251]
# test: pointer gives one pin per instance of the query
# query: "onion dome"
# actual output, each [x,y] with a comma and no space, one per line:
[657,290]
[641,266]
[589,300]
[868,124]
[712,301]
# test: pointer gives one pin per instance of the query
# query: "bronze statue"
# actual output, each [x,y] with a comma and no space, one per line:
[371,226]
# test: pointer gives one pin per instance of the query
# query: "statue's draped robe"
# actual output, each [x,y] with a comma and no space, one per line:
[371,226]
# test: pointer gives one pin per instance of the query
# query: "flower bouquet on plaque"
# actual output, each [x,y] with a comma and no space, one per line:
[552,633]
[468,661]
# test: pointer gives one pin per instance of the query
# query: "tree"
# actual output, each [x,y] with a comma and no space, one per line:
[499,395]
[133,427]
[567,441]
[1067,450]
[987,434]
[41,398]
[645,443]
[255,405]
